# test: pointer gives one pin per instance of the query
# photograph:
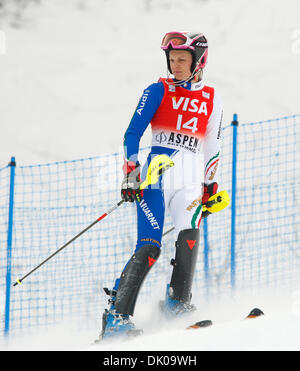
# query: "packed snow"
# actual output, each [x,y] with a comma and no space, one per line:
[277,329]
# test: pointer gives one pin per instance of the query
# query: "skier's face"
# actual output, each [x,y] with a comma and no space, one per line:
[180,62]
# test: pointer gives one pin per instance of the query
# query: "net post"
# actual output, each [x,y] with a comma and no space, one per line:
[12,166]
[206,257]
[234,124]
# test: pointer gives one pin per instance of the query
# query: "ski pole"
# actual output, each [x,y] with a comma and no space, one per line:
[156,168]
[214,204]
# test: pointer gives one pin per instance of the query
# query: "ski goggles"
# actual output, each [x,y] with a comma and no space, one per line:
[177,40]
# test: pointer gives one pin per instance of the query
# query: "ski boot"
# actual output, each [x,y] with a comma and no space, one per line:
[115,323]
[174,307]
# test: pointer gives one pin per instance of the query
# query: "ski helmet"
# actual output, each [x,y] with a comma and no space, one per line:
[196,43]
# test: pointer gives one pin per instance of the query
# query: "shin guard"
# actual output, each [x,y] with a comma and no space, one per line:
[133,276]
[187,246]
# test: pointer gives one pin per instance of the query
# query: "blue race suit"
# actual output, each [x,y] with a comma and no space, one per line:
[180,189]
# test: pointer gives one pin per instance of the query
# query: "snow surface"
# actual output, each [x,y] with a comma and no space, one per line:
[277,330]
[70,80]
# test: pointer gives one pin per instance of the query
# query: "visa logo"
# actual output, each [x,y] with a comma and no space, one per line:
[191,105]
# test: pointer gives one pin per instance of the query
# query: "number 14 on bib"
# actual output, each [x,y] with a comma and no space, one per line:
[190,124]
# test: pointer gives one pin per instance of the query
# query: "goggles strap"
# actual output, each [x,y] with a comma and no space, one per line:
[181,82]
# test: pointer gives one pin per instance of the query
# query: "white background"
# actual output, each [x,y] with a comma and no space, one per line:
[73,71]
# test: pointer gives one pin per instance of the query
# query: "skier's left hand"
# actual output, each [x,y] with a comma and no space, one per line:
[208,191]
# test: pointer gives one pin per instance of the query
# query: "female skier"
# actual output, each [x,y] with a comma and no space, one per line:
[186,118]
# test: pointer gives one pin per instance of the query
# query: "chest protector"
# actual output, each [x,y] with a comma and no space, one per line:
[181,119]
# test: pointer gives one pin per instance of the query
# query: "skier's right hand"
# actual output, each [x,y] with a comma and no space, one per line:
[130,188]
[208,191]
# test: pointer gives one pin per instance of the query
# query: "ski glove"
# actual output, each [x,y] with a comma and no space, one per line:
[208,191]
[131,183]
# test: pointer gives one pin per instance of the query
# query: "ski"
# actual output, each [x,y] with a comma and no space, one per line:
[254,313]
[200,324]
[133,333]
